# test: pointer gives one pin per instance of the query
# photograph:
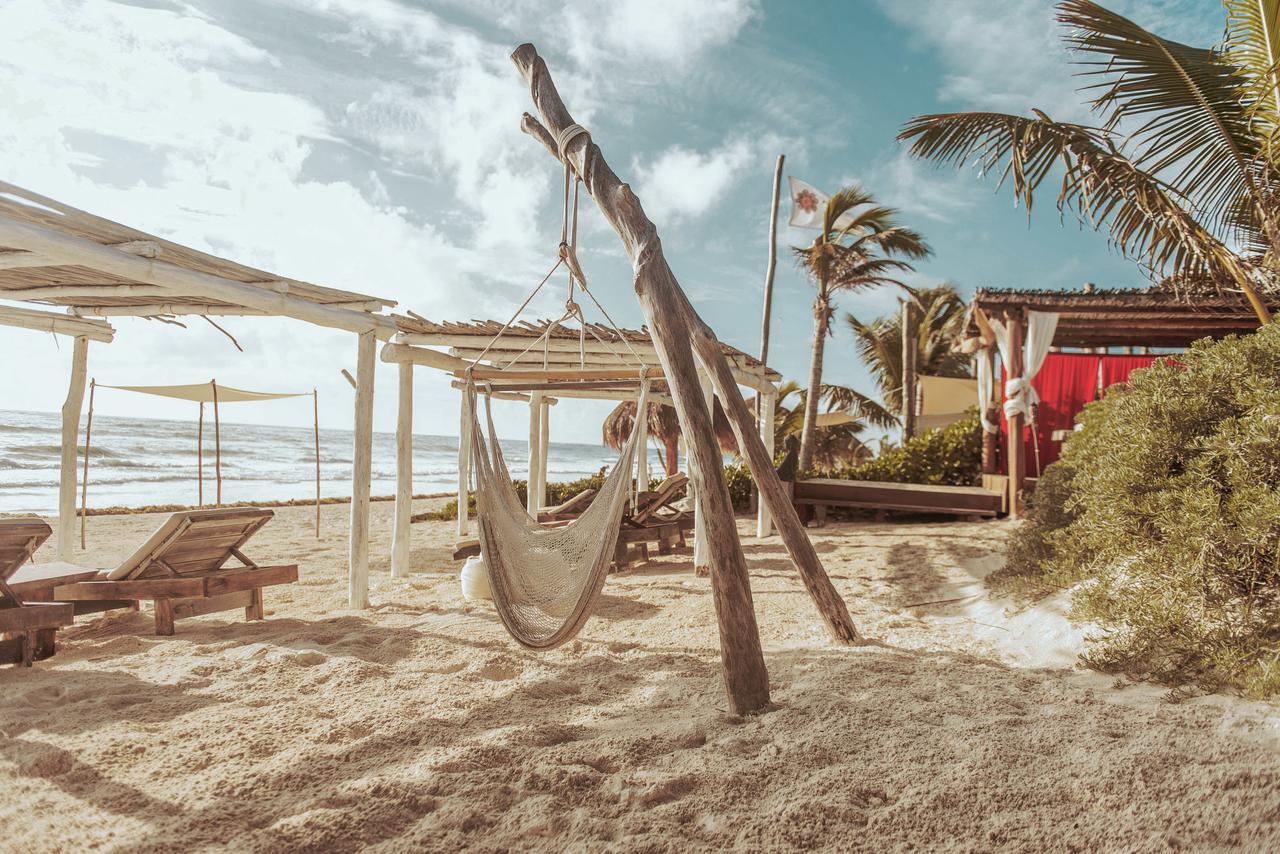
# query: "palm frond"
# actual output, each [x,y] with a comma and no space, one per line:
[1252,43]
[1194,126]
[1142,214]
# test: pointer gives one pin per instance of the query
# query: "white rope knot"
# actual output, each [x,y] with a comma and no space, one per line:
[567,136]
[1019,396]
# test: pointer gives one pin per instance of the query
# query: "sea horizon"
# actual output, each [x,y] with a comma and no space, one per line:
[139,461]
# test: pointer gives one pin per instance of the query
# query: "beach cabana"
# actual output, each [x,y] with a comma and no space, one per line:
[538,363]
[55,255]
[1068,346]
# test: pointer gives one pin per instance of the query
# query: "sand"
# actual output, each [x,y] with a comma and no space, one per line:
[419,725]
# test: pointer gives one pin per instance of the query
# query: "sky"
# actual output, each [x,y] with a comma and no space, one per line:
[374,145]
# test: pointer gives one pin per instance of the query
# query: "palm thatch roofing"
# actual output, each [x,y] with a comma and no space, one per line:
[54,254]
[1122,318]
[469,339]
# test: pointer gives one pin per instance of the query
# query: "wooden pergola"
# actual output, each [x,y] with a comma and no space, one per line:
[1096,321]
[539,363]
[56,255]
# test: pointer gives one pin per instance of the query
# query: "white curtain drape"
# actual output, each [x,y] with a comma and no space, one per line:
[986,390]
[1019,393]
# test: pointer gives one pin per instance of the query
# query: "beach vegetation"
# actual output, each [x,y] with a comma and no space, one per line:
[950,455]
[1163,516]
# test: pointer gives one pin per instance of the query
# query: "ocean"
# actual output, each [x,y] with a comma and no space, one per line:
[141,461]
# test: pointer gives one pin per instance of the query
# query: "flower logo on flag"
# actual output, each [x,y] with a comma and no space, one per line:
[806,201]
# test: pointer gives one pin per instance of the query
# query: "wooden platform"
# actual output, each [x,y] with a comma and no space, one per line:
[821,493]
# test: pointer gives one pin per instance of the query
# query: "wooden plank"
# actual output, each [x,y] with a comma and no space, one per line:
[198,606]
[520,375]
[232,580]
[36,615]
[896,496]
[140,588]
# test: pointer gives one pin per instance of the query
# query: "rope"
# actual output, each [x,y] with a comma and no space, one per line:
[522,307]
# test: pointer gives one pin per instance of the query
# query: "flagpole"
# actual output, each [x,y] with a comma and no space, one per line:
[773,264]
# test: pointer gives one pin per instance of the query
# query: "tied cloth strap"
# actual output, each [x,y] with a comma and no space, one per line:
[1019,398]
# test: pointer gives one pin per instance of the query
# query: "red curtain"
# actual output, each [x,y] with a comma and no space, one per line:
[1116,369]
[1065,383]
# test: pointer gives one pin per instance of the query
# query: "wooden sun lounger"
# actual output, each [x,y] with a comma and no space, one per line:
[653,520]
[180,568]
[570,509]
[28,630]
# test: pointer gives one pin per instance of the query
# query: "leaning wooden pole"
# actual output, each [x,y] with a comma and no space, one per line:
[84,481]
[773,261]
[746,680]
[624,212]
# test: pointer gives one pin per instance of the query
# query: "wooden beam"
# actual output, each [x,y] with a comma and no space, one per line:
[21,259]
[535,445]
[361,474]
[404,474]
[572,374]
[464,464]
[910,348]
[544,446]
[768,411]
[78,251]
[60,324]
[1016,463]
[70,445]
[746,679]
[179,309]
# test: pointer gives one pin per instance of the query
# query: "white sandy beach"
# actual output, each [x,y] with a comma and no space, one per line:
[419,725]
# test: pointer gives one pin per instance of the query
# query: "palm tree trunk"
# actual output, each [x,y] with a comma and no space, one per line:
[821,319]
[673,455]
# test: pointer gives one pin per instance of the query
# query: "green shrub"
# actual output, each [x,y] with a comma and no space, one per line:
[948,455]
[1166,505]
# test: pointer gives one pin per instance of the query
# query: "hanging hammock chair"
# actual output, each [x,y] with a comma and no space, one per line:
[544,581]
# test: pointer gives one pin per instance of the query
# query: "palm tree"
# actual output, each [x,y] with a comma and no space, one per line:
[852,252]
[1182,166]
[663,427]
[835,445]
[941,319]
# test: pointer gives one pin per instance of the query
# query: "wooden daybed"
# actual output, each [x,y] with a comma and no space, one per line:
[27,629]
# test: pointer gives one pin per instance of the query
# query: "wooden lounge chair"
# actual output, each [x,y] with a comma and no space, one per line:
[180,568]
[28,630]
[653,519]
[570,509]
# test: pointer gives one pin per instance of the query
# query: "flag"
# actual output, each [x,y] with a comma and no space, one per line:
[809,205]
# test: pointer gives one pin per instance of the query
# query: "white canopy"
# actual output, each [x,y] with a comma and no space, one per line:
[204,392]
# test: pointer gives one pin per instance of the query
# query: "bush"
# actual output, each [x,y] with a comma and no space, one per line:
[1166,505]
[948,455]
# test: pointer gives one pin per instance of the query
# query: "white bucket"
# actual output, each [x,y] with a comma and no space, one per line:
[475,579]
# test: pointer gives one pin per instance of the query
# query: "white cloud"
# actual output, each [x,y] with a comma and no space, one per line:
[673,33]
[685,183]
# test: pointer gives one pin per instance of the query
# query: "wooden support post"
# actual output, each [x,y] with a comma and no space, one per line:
[535,444]
[464,464]
[773,261]
[700,557]
[641,427]
[70,446]
[84,482]
[1017,458]
[361,473]
[544,445]
[990,441]
[200,457]
[315,413]
[404,474]
[768,409]
[217,443]
[664,306]
[910,348]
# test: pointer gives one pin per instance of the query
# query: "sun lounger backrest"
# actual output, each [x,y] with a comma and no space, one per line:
[192,542]
[651,502]
[19,539]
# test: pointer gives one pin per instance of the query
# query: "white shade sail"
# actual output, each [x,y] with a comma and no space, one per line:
[203,392]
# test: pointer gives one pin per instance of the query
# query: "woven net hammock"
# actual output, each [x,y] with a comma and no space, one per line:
[544,581]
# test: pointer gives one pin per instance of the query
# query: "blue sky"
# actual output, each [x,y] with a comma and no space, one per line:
[374,145]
